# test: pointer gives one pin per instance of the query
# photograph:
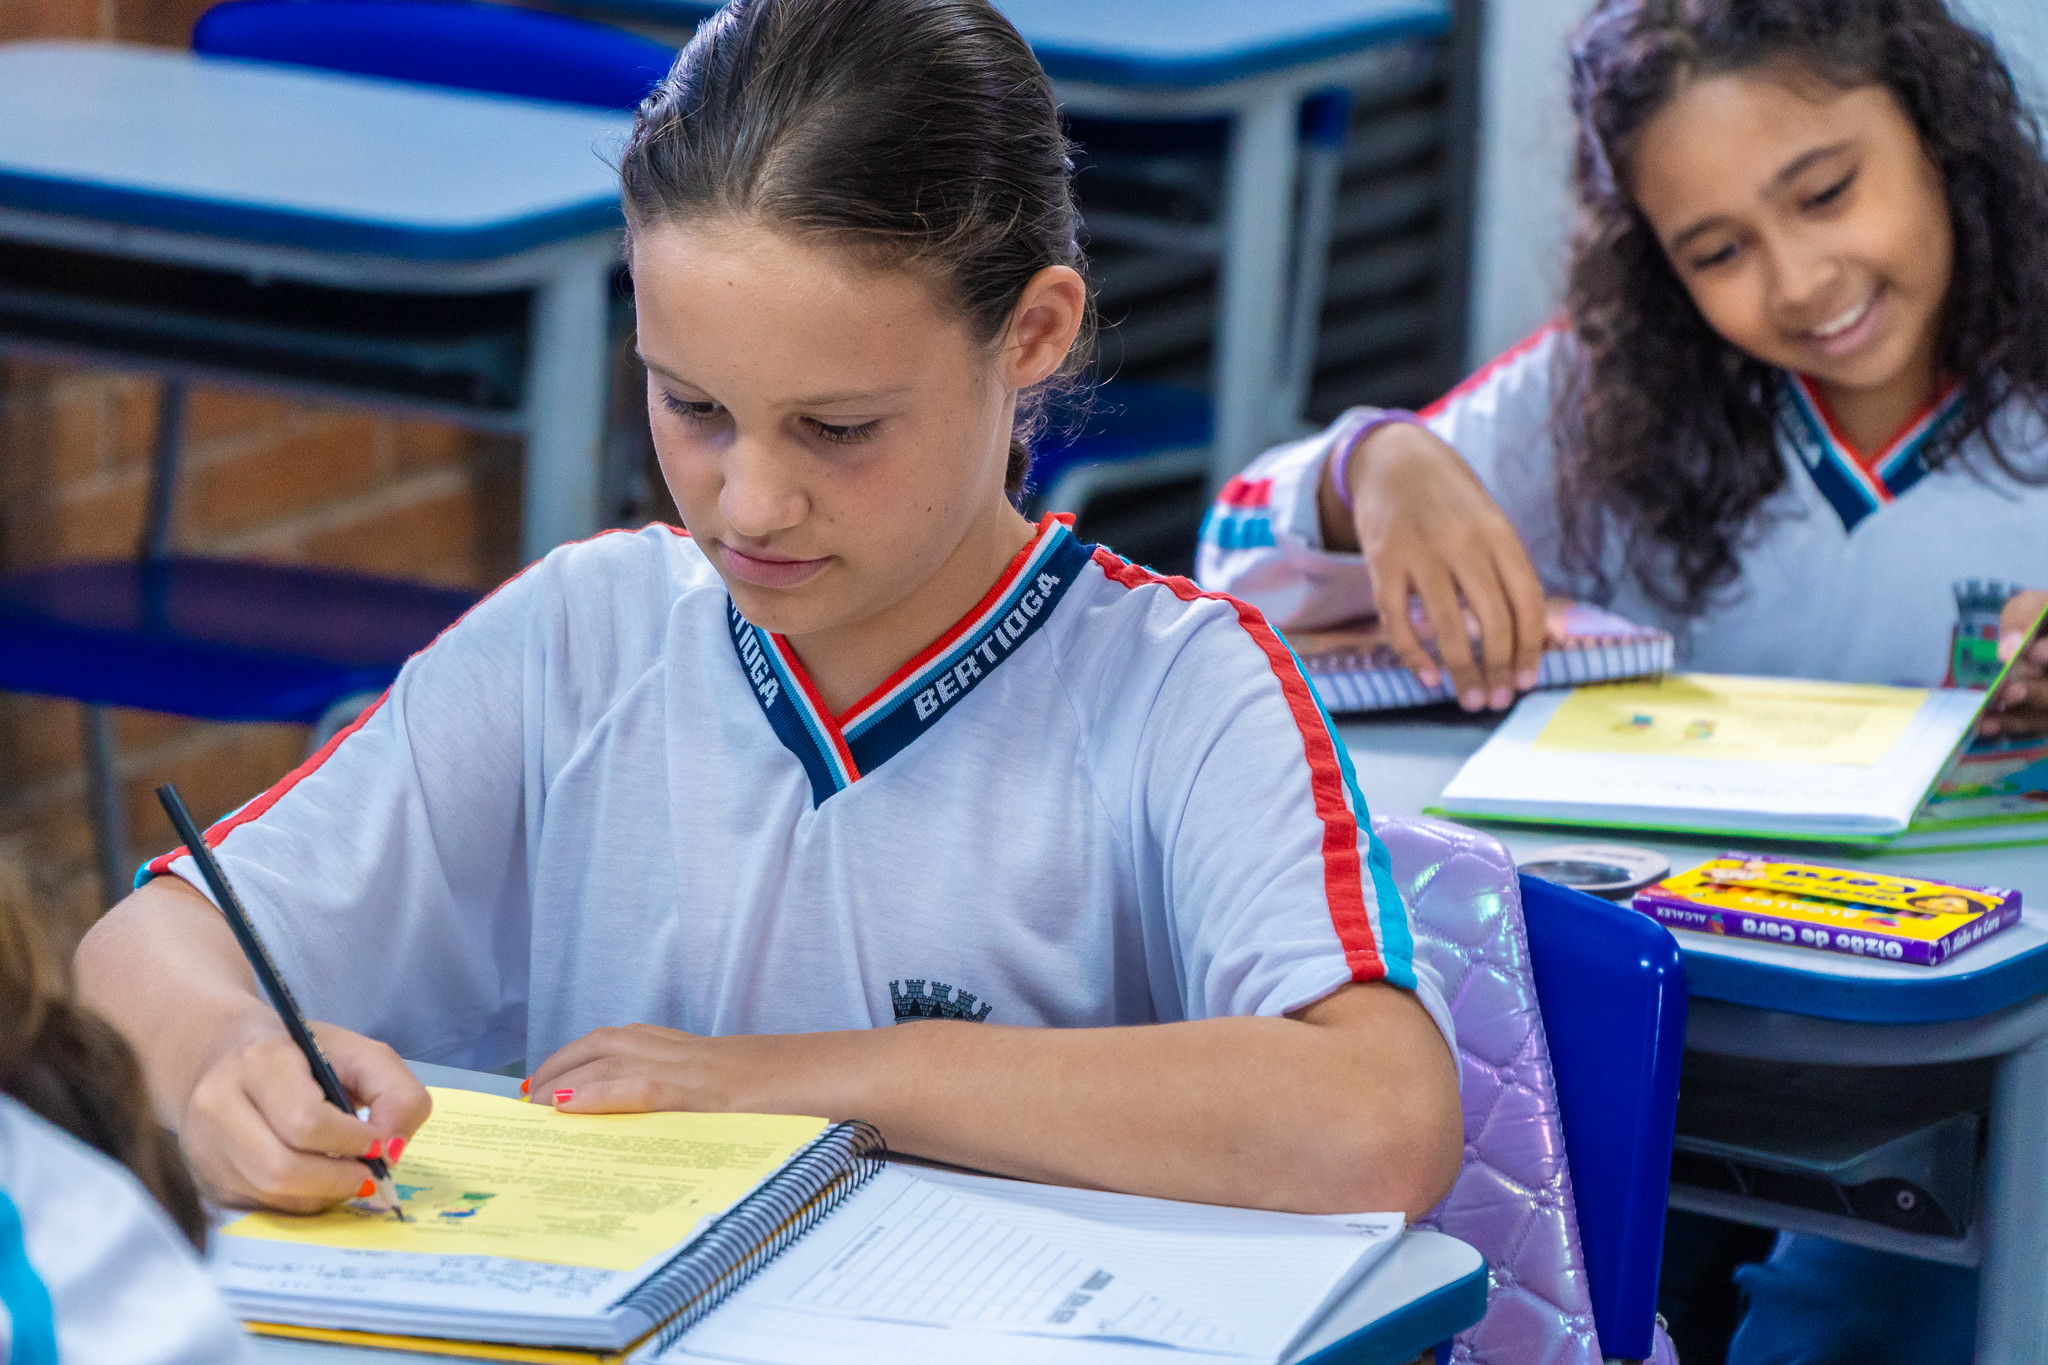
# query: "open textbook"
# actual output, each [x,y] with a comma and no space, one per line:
[1759,758]
[549,1237]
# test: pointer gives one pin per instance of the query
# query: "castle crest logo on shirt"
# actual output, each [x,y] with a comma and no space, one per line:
[919,998]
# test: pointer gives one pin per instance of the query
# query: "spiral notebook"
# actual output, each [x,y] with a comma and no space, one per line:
[542,1236]
[1353,668]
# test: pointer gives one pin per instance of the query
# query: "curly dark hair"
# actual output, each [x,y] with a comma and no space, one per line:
[1665,432]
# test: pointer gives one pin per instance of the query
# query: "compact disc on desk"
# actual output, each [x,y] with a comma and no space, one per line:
[1611,870]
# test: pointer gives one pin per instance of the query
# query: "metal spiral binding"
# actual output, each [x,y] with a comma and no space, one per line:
[816,1181]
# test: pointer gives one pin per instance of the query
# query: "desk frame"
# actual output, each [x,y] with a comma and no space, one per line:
[1254,405]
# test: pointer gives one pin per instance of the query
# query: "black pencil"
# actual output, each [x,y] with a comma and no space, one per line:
[266,973]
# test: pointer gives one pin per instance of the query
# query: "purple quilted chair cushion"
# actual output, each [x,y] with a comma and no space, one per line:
[1513,1197]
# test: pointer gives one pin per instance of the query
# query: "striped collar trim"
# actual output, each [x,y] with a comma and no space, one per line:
[836,751]
[1853,487]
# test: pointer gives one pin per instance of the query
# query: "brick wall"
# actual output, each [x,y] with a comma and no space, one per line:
[262,478]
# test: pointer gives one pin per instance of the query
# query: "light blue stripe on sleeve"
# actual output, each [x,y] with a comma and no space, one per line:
[1397,941]
[26,1297]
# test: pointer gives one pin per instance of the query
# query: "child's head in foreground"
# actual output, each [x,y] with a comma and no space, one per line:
[854,250]
[71,1068]
[1851,190]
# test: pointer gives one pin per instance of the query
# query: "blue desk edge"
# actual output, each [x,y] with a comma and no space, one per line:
[1860,1000]
[1408,1331]
[284,227]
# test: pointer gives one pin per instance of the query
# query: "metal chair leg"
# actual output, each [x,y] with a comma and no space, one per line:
[103,801]
[159,526]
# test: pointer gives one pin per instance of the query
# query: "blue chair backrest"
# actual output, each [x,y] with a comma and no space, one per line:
[1118,420]
[467,46]
[1611,985]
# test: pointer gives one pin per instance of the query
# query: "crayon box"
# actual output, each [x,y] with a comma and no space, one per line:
[1831,909]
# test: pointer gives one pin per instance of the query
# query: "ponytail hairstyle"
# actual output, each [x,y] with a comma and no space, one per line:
[1664,431]
[70,1067]
[917,134]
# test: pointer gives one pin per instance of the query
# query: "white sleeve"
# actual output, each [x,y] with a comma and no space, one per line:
[1262,540]
[1248,826]
[387,874]
[90,1263]
[390,875]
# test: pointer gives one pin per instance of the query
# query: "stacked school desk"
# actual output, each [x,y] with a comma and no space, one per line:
[1770,1003]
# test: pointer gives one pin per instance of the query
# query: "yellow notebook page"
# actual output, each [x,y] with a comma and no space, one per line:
[489,1176]
[435,1346]
[1749,720]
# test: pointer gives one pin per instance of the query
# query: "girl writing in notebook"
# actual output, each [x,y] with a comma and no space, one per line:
[862,795]
[1796,411]
[1797,403]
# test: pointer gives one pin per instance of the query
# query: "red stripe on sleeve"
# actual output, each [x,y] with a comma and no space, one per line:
[219,831]
[1343,872]
[1493,367]
[1241,492]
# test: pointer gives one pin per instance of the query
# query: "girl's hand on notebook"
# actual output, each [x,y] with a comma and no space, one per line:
[643,1067]
[258,1131]
[1428,529]
[2020,710]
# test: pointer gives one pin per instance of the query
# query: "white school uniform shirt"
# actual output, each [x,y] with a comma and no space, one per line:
[1844,574]
[1102,797]
[92,1270]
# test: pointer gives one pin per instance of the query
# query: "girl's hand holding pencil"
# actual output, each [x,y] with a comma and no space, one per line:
[291,1128]
[259,1132]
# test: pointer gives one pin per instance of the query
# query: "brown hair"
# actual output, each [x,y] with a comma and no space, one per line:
[70,1066]
[917,133]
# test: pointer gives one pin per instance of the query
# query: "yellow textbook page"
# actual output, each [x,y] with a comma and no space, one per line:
[1748,720]
[490,1176]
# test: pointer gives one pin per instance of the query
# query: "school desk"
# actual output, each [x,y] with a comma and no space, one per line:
[1254,63]
[1428,1289]
[1770,1002]
[147,166]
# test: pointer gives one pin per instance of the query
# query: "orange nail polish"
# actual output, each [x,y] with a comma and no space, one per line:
[526,1085]
[369,1188]
[376,1150]
[564,1096]
[396,1146]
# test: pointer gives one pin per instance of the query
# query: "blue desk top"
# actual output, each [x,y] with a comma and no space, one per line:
[1174,43]
[296,157]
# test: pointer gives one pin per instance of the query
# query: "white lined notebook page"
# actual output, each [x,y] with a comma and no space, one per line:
[917,1260]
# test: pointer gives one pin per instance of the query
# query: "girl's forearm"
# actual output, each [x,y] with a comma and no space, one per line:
[1352,1106]
[164,969]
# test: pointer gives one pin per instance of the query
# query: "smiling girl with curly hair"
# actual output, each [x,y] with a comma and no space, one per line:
[1796,410]
[1797,400]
